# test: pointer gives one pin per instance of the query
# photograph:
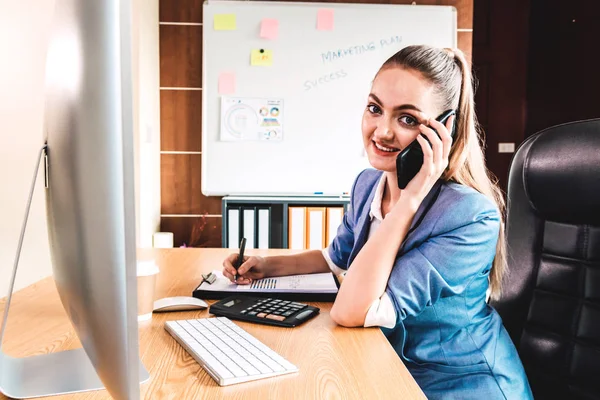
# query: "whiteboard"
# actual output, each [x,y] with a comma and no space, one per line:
[321,77]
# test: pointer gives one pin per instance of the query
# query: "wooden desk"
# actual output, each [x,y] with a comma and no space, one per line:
[334,362]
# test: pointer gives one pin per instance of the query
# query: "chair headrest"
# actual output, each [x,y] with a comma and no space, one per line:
[562,173]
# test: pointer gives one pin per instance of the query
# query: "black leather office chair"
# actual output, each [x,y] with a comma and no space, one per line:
[551,299]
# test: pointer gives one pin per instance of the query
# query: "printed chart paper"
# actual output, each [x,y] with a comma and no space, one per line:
[246,118]
[309,283]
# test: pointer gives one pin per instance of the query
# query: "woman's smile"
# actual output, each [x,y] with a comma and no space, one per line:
[384,150]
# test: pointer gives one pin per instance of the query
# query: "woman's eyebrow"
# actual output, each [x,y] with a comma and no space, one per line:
[397,108]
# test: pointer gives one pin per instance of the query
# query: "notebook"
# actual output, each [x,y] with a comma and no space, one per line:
[308,287]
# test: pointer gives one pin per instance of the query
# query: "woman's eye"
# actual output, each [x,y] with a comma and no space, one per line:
[408,120]
[374,109]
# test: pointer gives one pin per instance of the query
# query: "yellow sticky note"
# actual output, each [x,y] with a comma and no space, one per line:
[261,58]
[224,22]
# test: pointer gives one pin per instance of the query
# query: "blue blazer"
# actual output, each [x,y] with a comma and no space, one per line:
[450,339]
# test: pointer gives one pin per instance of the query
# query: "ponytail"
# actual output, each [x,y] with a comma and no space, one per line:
[468,167]
[450,72]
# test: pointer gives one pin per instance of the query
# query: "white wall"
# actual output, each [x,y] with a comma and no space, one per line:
[148,108]
[24,28]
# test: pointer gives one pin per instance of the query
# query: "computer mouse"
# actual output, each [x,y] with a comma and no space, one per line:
[179,303]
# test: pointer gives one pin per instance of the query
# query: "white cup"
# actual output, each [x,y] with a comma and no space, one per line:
[163,240]
[146,285]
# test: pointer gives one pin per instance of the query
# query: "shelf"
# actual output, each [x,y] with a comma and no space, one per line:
[278,215]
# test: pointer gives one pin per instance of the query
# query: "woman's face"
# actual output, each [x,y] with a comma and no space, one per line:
[399,101]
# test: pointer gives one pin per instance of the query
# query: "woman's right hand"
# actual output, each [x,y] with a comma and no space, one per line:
[253,267]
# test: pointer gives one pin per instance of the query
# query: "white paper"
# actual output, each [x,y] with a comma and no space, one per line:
[297,223]
[247,118]
[249,228]
[315,235]
[309,283]
[233,237]
[264,229]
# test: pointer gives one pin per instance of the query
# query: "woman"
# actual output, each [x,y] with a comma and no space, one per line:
[420,261]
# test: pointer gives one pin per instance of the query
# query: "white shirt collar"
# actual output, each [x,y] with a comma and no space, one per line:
[377,199]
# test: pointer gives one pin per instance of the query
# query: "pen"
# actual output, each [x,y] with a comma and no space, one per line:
[240,260]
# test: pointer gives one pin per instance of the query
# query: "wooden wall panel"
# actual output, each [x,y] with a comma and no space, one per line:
[181,120]
[181,56]
[562,79]
[465,43]
[482,94]
[464,9]
[180,11]
[181,186]
[181,67]
[482,25]
[193,231]
[500,61]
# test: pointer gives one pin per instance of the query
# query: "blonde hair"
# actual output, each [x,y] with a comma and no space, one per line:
[450,74]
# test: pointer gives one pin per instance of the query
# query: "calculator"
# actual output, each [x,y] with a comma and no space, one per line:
[262,310]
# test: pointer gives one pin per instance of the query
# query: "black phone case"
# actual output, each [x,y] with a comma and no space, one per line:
[410,160]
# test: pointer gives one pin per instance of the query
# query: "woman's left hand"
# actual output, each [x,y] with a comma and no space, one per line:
[435,159]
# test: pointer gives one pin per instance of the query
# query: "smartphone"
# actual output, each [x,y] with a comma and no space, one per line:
[410,160]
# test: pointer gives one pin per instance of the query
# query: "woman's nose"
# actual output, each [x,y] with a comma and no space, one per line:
[384,130]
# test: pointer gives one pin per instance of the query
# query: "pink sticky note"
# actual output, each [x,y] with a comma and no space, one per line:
[269,28]
[226,83]
[325,19]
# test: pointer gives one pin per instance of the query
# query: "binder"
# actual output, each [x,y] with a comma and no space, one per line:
[315,228]
[334,220]
[249,227]
[264,228]
[233,228]
[296,229]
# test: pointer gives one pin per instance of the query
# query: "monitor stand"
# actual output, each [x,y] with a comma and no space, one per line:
[68,371]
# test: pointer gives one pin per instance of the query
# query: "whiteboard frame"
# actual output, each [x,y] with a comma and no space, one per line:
[208,191]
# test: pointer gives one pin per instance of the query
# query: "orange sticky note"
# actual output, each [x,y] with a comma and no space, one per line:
[226,83]
[261,58]
[325,19]
[224,22]
[269,28]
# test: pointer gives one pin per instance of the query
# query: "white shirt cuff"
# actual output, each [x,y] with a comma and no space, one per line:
[337,271]
[381,313]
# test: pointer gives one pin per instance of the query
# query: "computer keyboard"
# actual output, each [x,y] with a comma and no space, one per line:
[227,352]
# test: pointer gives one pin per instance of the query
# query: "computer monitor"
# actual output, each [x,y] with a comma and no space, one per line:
[89,147]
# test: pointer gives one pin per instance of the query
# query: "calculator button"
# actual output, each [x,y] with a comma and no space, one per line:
[304,314]
[287,313]
[243,311]
[261,315]
[275,317]
[252,313]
